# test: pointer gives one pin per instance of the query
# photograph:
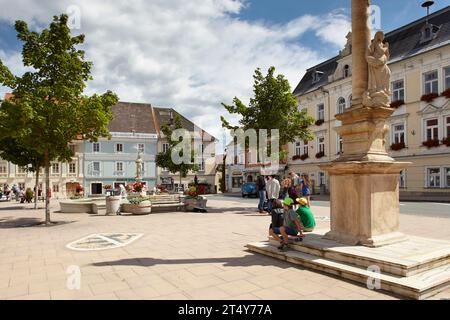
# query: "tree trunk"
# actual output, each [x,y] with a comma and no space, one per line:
[36,188]
[47,188]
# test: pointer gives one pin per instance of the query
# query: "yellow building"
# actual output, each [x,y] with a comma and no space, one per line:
[420,125]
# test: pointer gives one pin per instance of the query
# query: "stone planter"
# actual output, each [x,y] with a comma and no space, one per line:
[138,209]
[113,204]
[192,203]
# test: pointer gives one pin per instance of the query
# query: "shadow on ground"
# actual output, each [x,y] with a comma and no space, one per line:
[246,261]
[12,223]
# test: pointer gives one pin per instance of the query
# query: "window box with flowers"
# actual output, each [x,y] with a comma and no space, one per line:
[397,104]
[446,93]
[429,97]
[446,141]
[398,146]
[431,143]
[320,155]
[320,122]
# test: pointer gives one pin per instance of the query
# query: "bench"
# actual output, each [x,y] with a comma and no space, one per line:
[161,202]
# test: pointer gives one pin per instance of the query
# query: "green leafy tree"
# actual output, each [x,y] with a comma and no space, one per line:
[272,107]
[48,109]
[164,159]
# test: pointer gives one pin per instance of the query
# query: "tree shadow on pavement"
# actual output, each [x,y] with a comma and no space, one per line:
[246,261]
[12,223]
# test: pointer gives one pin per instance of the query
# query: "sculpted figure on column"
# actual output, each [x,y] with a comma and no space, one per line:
[377,57]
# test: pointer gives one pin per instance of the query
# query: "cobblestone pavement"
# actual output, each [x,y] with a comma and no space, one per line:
[180,256]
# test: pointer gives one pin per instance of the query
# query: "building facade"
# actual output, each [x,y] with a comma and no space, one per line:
[113,162]
[205,158]
[420,125]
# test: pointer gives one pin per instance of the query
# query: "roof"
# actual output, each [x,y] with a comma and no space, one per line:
[164,116]
[132,117]
[404,42]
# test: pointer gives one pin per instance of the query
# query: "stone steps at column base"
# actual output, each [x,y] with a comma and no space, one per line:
[419,286]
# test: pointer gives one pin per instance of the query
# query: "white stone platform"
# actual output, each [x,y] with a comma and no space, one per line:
[416,268]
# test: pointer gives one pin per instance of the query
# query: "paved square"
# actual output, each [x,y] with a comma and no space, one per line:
[180,256]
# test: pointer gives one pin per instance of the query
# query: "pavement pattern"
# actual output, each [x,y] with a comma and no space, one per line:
[181,256]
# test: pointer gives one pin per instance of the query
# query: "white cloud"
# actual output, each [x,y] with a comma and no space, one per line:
[191,55]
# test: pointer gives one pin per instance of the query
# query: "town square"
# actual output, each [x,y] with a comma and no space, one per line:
[245,151]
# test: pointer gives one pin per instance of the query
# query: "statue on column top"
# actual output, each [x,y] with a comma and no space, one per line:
[377,56]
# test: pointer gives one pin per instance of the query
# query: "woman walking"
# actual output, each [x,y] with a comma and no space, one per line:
[261,186]
[306,188]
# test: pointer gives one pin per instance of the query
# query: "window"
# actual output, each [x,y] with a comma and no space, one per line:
[317,75]
[237,182]
[321,144]
[55,187]
[202,165]
[434,177]
[402,182]
[72,168]
[22,186]
[119,147]
[398,90]
[55,168]
[72,148]
[119,166]
[298,148]
[447,177]
[165,147]
[96,167]
[447,78]
[447,127]
[431,83]
[141,147]
[346,71]
[398,133]
[341,105]
[21,170]
[432,129]
[321,178]
[305,147]
[96,147]
[3,169]
[340,145]
[321,112]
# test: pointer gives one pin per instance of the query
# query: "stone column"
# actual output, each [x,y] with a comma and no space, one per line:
[364,181]
[360,43]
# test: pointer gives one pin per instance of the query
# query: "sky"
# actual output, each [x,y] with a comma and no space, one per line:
[193,55]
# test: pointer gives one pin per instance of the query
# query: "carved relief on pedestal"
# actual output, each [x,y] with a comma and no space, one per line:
[378,92]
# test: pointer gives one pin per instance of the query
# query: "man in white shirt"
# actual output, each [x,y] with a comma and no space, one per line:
[273,191]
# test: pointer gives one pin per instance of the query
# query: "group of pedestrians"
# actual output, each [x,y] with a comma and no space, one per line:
[289,204]
[293,186]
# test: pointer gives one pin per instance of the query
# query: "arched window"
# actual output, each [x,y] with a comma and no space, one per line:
[350,101]
[341,105]
[346,71]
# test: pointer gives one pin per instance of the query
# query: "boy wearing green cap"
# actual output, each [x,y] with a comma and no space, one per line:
[291,225]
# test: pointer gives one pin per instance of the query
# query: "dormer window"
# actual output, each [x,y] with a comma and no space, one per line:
[346,71]
[317,75]
[429,32]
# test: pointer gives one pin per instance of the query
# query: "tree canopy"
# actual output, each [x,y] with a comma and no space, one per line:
[48,109]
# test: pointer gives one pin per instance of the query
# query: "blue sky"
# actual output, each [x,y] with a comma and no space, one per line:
[193,55]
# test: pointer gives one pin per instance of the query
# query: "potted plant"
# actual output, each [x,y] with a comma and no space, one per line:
[304,157]
[446,93]
[398,146]
[29,195]
[320,155]
[320,122]
[446,141]
[138,205]
[193,200]
[397,104]
[429,97]
[432,143]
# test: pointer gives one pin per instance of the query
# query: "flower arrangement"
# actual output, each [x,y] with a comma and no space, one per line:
[320,122]
[296,157]
[429,97]
[192,192]
[397,104]
[398,146]
[107,187]
[78,188]
[136,187]
[304,157]
[446,93]
[137,200]
[320,155]
[432,143]
[446,141]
